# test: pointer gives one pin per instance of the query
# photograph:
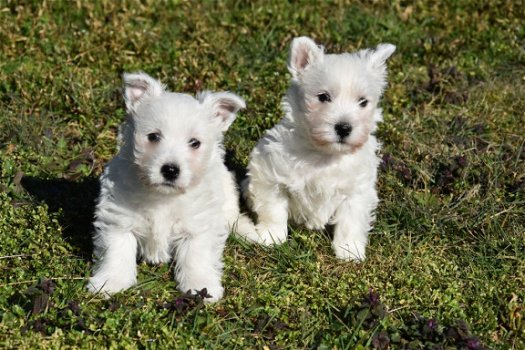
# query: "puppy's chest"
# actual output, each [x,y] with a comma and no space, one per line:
[161,221]
[315,196]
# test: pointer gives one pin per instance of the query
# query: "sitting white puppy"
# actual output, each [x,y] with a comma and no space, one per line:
[167,194]
[319,164]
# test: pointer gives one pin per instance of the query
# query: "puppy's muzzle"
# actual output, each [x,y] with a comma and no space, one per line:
[343,130]
[170,171]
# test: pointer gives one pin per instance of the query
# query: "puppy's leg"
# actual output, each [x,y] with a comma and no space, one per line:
[156,249]
[352,221]
[199,263]
[237,222]
[271,206]
[116,268]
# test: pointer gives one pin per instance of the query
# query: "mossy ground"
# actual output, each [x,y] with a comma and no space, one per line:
[448,247]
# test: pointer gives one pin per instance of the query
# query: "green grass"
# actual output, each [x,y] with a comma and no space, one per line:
[449,242]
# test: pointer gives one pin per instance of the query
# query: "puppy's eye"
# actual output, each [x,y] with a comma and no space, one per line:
[194,143]
[362,102]
[324,97]
[154,137]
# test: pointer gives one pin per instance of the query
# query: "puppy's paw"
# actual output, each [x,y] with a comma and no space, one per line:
[215,294]
[350,251]
[106,286]
[214,289]
[243,227]
[157,257]
[271,234]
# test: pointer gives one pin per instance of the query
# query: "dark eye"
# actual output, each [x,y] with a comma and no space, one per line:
[194,143]
[154,137]
[324,97]
[362,102]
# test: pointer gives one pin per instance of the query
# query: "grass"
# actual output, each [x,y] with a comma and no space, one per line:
[448,249]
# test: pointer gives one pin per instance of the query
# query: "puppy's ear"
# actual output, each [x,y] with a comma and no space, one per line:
[381,53]
[224,105]
[138,87]
[303,53]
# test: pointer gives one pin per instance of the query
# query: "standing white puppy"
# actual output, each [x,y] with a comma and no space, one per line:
[318,166]
[167,192]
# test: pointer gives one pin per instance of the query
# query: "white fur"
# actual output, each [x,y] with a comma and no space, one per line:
[303,169]
[141,213]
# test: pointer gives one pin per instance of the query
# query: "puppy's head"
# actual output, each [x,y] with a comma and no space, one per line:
[337,95]
[173,137]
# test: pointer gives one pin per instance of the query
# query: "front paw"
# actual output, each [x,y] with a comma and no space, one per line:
[214,290]
[108,286]
[243,227]
[215,294]
[268,235]
[350,251]
[156,257]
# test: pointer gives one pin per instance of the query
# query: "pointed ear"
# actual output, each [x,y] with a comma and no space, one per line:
[303,53]
[224,105]
[137,87]
[381,53]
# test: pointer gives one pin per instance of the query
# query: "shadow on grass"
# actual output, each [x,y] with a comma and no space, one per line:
[75,200]
[235,165]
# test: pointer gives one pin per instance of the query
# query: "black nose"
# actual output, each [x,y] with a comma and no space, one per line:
[170,171]
[343,129]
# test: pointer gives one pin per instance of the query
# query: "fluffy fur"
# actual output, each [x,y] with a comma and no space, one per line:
[318,166]
[167,193]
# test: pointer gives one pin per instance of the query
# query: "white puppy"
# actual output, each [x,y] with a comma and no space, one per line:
[318,166]
[167,193]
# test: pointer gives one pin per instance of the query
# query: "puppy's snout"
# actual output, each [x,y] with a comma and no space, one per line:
[170,171]
[343,129]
